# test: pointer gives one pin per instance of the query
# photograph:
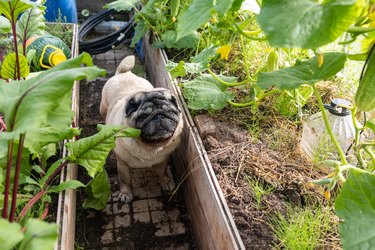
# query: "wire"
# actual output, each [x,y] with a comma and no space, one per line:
[107,42]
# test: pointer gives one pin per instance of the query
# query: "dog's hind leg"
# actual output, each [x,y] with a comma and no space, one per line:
[125,178]
[161,171]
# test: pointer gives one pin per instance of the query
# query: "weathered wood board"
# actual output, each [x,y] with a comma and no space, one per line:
[212,221]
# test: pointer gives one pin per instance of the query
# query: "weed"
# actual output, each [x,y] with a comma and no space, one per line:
[258,188]
[301,228]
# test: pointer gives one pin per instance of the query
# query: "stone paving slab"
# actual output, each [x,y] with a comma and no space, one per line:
[154,220]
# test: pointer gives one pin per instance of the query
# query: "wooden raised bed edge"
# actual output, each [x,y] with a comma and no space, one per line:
[66,210]
[211,219]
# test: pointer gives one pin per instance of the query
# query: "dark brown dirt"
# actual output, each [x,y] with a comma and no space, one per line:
[235,156]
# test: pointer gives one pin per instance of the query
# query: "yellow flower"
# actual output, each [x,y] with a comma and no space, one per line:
[224,51]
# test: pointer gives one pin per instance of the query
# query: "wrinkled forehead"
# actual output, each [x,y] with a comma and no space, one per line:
[160,94]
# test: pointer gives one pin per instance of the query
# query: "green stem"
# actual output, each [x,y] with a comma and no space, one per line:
[241,105]
[328,127]
[256,38]
[371,154]
[229,84]
[245,59]
[357,29]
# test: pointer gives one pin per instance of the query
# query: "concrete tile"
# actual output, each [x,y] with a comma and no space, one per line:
[108,226]
[108,209]
[143,217]
[122,221]
[159,216]
[140,206]
[177,228]
[163,229]
[174,214]
[140,192]
[120,207]
[154,191]
[137,182]
[107,237]
[154,204]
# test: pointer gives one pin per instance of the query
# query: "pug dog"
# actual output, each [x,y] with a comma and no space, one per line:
[132,101]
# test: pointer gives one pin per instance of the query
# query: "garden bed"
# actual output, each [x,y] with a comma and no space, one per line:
[220,157]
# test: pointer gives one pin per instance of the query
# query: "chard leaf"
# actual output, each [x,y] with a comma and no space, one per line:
[31,22]
[72,184]
[91,152]
[97,192]
[306,23]
[11,234]
[5,26]
[39,235]
[9,68]
[356,206]
[204,92]
[11,9]
[28,104]
[306,72]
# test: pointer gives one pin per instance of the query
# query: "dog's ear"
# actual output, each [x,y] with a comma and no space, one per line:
[131,107]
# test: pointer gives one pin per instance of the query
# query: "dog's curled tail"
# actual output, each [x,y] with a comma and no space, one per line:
[126,65]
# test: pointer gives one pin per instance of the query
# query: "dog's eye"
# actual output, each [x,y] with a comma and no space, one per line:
[142,117]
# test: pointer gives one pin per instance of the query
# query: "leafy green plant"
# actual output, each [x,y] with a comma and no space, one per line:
[36,116]
[301,228]
[258,189]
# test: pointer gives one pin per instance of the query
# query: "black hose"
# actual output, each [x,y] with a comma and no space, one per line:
[107,42]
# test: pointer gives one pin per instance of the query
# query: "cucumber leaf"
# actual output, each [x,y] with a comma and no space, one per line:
[11,234]
[306,23]
[122,5]
[91,152]
[356,206]
[306,72]
[204,92]
[169,40]
[97,192]
[9,69]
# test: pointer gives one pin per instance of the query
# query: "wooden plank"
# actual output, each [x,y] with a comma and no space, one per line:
[66,214]
[212,222]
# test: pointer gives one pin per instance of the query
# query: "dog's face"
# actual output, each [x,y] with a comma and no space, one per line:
[155,113]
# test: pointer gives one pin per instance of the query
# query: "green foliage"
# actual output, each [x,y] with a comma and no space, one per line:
[11,234]
[356,206]
[364,97]
[258,189]
[205,92]
[5,26]
[39,235]
[308,23]
[9,67]
[122,5]
[306,72]
[97,192]
[301,228]
[72,184]
[11,9]
[91,152]
[31,23]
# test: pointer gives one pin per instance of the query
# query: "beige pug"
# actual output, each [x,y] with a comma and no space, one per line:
[132,101]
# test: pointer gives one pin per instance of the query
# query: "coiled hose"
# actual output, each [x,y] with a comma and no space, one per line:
[107,42]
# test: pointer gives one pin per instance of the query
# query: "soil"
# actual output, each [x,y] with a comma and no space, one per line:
[236,156]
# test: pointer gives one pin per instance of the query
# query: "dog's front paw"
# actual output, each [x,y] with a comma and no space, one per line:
[168,186]
[126,198]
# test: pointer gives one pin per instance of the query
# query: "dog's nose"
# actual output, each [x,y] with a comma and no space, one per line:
[159,117]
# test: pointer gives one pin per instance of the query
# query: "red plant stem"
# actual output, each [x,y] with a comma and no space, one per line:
[39,195]
[7,179]
[15,42]
[3,126]
[31,202]
[16,178]
[45,212]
